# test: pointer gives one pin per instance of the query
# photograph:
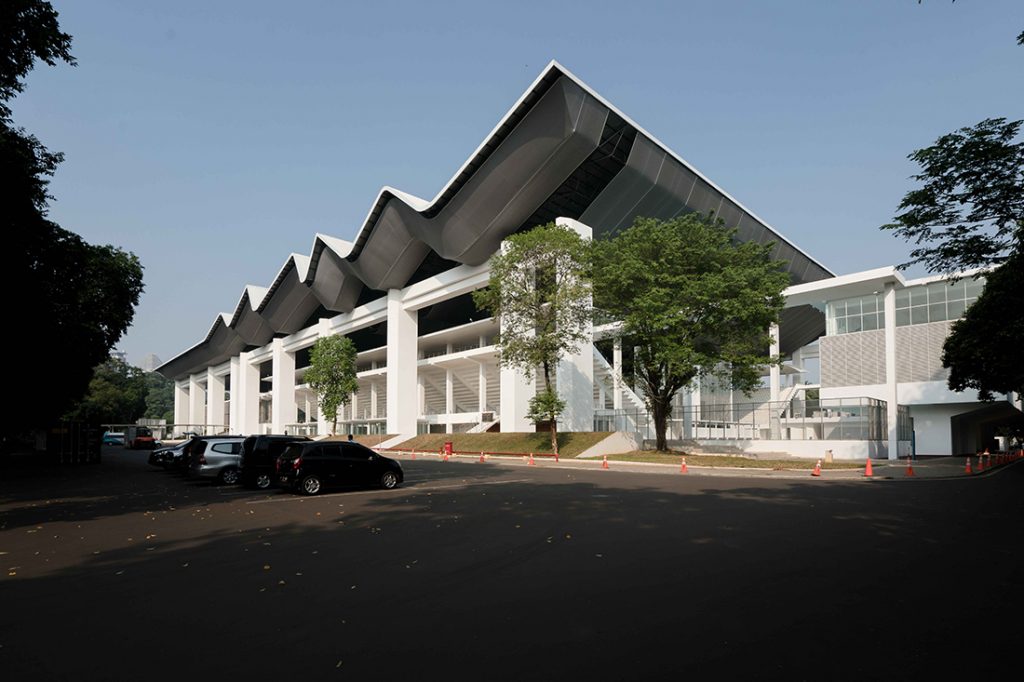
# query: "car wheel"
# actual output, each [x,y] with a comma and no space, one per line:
[310,485]
[389,480]
[229,476]
[262,481]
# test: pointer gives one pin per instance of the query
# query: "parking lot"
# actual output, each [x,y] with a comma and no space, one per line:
[482,571]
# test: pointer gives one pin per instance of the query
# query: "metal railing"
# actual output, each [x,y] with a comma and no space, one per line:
[827,419]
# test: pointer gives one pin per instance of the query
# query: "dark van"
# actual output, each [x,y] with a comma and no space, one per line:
[259,453]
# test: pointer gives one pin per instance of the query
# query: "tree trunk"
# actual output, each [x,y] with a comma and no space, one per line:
[552,418]
[659,412]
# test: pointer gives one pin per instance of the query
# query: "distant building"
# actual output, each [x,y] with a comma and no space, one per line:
[119,355]
[150,362]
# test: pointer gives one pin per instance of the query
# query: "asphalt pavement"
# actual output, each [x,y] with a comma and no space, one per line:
[504,571]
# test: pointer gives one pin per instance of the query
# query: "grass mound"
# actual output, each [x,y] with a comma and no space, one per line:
[569,444]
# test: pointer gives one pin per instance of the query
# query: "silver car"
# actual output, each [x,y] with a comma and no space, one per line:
[217,458]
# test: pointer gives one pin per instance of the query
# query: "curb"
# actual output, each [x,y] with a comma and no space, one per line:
[846,475]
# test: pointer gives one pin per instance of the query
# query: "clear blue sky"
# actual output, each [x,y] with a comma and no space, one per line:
[212,139]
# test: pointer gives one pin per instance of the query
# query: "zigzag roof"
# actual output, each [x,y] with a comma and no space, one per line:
[561,151]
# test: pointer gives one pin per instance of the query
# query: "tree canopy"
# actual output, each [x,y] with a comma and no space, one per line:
[693,302]
[969,210]
[983,349]
[969,213]
[117,395]
[332,374]
[75,299]
[539,290]
[159,397]
[28,31]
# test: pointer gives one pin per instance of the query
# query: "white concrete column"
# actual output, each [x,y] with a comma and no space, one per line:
[617,373]
[575,373]
[449,396]
[696,398]
[181,402]
[575,379]
[196,400]
[402,370]
[774,370]
[481,386]
[516,392]
[247,394]
[688,396]
[373,400]
[215,400]
[282,409]
[234,423]
[891,390]
[354,402]
[421,394]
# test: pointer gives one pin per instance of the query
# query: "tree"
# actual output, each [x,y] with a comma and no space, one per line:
[982,350]
[74,298]
[30,31]
[117,395]
[539,291]
[692,301]
[159,397]
[332,374]
[969,212]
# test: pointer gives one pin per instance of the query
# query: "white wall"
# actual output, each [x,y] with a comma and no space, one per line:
[810,449]
[930,392]
[932,429]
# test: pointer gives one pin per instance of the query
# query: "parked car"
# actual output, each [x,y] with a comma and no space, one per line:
[181,463]
[259,454]
[113,438]
[165,456]
[314,466]
[216,458]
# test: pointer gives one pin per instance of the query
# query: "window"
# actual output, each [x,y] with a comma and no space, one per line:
[227,448]
[849,315]
[936,302]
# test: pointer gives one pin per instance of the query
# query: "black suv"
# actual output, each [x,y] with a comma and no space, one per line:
[259,453]
[311,467]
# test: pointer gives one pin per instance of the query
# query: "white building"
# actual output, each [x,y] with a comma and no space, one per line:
[402,292]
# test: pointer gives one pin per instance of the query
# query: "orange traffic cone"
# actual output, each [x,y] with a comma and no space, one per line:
[817,469]
[986,452]
[604,464]
[531,462]
[967,467]
[682,466]
[482,458]
[867,469]
[444,455]
[910,469]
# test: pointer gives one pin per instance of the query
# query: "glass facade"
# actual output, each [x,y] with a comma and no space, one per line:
[936,302]
[919,304]
[859,314]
